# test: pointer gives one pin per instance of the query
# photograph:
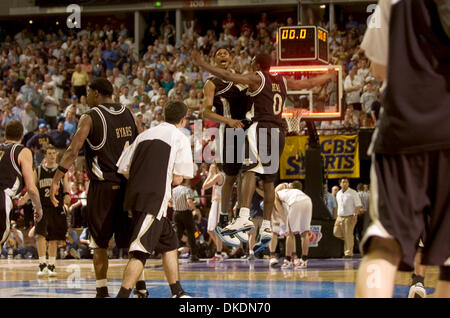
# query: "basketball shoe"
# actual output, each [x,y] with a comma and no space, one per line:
[230,240]
[417,291]
[242,223]
[43,270]
[51,271]
[265,236]
[242,236]
[300,264]
[140,293]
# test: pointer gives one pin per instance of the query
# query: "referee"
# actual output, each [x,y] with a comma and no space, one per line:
[183,204]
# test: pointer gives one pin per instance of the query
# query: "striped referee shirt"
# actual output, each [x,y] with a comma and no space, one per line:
[151,161]
[180,195]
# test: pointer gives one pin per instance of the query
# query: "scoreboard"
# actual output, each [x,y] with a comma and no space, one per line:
[302,44]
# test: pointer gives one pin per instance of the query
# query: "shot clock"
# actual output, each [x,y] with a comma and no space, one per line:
[302,43]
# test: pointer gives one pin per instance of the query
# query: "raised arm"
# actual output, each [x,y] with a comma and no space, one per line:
[312,82]
[208,91]
[252,80]
[209,182]
[69,157]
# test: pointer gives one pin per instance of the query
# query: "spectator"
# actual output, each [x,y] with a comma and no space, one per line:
[348,208]
[8,116]
[330,201]
[14,245]
[229,24]
[80,80]
[70,124]
[27,90]
[158,117]
[85,251]
[364,198]
[368,97]
[29,119]
[51,107]
[39,142]
[192,102]
[109,56]
[60,137]
[352,87]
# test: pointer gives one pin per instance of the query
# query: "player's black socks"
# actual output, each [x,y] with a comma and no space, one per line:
[304,257]
[102,292]
[417,279]
[124,293]
[176,289]
[140,285]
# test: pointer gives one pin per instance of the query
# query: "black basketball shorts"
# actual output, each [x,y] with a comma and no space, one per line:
[105,214]
[264,145]
[53,225]
[151,234]
[232,143]
[410,196]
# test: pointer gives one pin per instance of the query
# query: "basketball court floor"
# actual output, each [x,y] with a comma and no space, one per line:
[236,278]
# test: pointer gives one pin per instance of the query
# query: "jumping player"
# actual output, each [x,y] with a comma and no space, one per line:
[103,131]
[268,93]
[230,106]
[16,171]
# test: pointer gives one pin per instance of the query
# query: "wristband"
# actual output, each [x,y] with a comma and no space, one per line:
[65,193]
[62,169]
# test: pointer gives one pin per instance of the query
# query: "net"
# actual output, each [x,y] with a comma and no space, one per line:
[293,117]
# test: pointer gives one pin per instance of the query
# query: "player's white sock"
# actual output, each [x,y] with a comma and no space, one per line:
[142,277]
[244,212]
[42,259]
[251,252]
[101,283]
[51,260]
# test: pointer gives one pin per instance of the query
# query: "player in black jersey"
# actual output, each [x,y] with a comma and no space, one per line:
[410,51]
[267,93]
[104,131]
[53,225]
[230,103]
[16,171]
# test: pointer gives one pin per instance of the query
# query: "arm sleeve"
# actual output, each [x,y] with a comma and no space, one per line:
[376,40]
[184,165]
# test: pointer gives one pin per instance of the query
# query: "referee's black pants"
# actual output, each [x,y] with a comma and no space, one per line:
[184,221]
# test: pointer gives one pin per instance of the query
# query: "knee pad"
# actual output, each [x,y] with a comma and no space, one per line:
[444,273]
[141,256]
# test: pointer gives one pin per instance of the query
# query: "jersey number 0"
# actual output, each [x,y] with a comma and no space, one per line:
[277,104]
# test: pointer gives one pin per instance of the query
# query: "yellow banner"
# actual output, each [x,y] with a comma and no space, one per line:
[340,154]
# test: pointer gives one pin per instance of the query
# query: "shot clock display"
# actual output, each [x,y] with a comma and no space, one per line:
[303,43]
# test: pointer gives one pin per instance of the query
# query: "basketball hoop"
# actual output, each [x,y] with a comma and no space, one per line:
[293,118]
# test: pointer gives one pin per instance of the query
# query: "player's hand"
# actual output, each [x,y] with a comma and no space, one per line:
[234,123]
[53,193]
[37,214]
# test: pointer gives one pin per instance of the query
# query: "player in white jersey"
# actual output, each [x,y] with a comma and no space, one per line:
[298,209]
